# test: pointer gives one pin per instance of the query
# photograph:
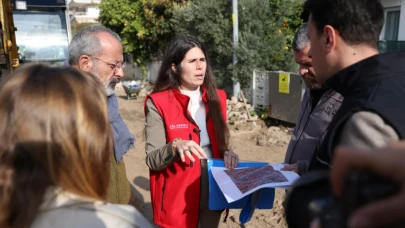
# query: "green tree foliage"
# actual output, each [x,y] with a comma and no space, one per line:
[210,22]
[144,25]
[266,28]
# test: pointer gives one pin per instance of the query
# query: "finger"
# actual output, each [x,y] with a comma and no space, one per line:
[234,161]
[198,150]
[194,151]
[181,153]
[342,163]
[188,154]
[380,213]
[286,168]
[348,159]
[227,160]
[291,169]
[231,161]
[396,144]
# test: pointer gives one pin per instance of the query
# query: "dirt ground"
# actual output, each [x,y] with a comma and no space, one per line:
[244,142]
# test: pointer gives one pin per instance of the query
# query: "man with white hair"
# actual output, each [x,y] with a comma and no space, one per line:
[318,106]
[98,50]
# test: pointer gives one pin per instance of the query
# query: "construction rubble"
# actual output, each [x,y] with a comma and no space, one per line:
[239,111]
[240,118]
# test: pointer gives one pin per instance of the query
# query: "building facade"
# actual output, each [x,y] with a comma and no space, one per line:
[392,36]
[83,13]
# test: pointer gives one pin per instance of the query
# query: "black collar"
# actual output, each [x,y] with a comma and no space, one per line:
[366,72]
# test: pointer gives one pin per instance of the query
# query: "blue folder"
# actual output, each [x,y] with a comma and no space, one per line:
[262,199]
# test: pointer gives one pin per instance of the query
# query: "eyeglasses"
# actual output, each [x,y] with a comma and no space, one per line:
[113,66]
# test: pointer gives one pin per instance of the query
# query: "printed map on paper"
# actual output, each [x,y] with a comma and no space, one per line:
[237,183]
[249,178]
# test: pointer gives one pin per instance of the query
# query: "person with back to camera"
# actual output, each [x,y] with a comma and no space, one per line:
[55,147]
[185,121]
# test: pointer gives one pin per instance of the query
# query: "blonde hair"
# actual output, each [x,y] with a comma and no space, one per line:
[54,131]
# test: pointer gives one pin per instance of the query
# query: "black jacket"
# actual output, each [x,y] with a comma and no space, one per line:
[376,84]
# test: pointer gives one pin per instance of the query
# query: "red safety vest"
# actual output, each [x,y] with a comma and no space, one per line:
[175,191]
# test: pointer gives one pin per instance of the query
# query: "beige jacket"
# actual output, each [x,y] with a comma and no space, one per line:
[67,210]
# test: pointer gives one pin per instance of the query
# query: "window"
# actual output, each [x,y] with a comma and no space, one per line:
[81,10]
[392,24]
[41,36]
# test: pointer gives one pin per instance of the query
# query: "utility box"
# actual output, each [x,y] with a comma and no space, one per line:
[260,89]
[285,92]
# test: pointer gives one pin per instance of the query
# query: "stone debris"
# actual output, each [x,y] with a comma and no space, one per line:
[277,136]
[238,120]
[261,134]
[237,112]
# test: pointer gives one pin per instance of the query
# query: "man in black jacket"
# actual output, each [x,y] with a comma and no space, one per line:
[344,38]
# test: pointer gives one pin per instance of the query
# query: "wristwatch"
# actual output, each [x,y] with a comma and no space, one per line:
[174,148]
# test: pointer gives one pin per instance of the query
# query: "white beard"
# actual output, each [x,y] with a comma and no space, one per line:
[109,89]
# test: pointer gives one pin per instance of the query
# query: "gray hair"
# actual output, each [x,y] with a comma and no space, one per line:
[301,38]
[86,42]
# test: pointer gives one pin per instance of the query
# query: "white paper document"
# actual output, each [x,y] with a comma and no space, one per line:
[237,183]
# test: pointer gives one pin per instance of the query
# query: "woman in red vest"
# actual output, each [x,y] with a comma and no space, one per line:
[185,122]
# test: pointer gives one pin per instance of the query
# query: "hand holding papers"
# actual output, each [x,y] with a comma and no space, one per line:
[237,183]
